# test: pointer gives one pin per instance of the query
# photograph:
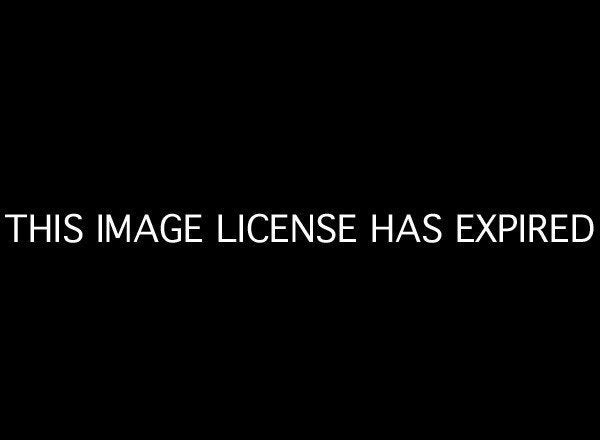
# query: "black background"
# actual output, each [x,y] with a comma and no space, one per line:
[386,112]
